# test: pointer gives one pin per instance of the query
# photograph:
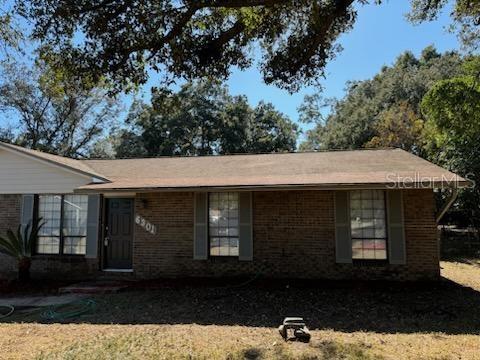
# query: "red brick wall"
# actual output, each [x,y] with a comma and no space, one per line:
[10,206]
[423,250]
[66,267]
[293,237]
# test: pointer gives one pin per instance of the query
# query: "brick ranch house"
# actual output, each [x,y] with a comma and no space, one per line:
[366,214]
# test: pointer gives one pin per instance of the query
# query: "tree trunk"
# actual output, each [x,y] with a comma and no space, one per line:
[24,269]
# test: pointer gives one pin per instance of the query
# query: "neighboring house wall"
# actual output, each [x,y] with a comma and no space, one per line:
[294,236]
[22,174]
[10,209]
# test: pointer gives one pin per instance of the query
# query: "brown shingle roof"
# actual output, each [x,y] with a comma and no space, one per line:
[72,164]
[324,169]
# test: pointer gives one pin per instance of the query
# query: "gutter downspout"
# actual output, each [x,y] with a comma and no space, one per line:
[447,205]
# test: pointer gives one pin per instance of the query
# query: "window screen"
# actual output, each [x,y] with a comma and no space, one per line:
[223,223]
[368,224]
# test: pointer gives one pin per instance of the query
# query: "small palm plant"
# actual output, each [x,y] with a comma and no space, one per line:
[19,245]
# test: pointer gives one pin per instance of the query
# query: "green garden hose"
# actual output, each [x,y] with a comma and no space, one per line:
[10,311]
[80,308]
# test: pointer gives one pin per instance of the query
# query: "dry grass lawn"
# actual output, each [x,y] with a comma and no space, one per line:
[463,271]
[354,321]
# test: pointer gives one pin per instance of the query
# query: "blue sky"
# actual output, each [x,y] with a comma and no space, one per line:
[381,33]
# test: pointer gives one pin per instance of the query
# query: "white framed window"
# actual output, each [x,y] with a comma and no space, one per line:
[223,224]
[368,224]
[65,228]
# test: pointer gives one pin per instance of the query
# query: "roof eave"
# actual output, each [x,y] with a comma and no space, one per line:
[267,187]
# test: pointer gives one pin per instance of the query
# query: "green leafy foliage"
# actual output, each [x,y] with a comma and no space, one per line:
[10,34]
[201,119]
[465,15]
[52,110]
[192,39]
[452,110]
[19,244]
[121,40]
[398,126]
[385,108]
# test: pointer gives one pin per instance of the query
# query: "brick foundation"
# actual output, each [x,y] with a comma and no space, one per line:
[64,267]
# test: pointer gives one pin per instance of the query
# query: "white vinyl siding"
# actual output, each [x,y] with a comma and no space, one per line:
[20,174]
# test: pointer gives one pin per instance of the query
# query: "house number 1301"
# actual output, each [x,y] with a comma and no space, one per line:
[148,226]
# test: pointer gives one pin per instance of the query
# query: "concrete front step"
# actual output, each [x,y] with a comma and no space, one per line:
[95,287]
[114,275]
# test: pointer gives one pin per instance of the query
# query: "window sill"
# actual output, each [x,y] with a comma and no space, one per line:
[223,259]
